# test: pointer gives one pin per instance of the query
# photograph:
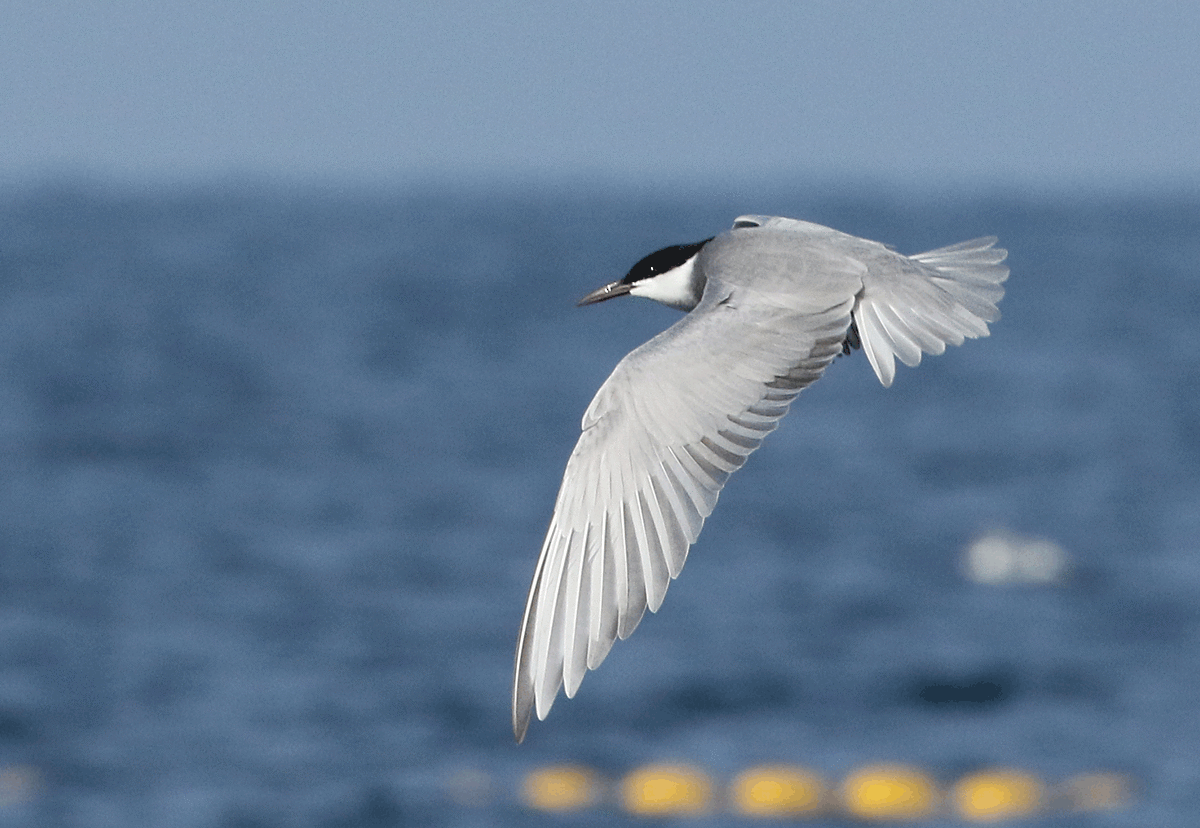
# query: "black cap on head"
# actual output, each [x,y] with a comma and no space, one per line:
[660,261]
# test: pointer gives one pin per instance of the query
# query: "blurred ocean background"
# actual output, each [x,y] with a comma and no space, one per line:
[277,462]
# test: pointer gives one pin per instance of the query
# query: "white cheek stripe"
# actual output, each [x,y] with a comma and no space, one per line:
[672,288]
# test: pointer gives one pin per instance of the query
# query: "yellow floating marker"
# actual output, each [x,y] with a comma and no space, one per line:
[889,792]
[1097,791]
[564,788]
[666,789]
[997,794]
[778,790]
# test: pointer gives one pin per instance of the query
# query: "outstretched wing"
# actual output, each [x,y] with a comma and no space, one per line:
[663,434]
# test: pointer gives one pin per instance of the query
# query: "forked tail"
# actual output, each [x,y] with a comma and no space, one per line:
[911,305]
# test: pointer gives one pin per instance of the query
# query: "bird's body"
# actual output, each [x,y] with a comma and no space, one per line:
[770,304]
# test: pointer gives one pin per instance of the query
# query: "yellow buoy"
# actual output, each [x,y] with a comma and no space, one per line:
[1097,791]
[666,789]
[997,794]
[778,790]
[563,788]
[889,792]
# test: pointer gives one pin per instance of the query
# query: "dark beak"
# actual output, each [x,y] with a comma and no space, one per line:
[609,291]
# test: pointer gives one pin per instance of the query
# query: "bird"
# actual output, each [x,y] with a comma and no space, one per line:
[769,304]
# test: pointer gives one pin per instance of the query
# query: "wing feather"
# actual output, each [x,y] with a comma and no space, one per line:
[663,435]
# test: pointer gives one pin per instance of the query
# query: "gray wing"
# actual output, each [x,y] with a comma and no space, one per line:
[676,417]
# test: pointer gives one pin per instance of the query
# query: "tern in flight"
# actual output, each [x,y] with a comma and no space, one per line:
[769,305]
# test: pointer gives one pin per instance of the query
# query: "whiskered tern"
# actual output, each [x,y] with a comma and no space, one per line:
[769,305]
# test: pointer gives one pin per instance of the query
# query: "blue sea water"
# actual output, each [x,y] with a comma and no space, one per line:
[277,463]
